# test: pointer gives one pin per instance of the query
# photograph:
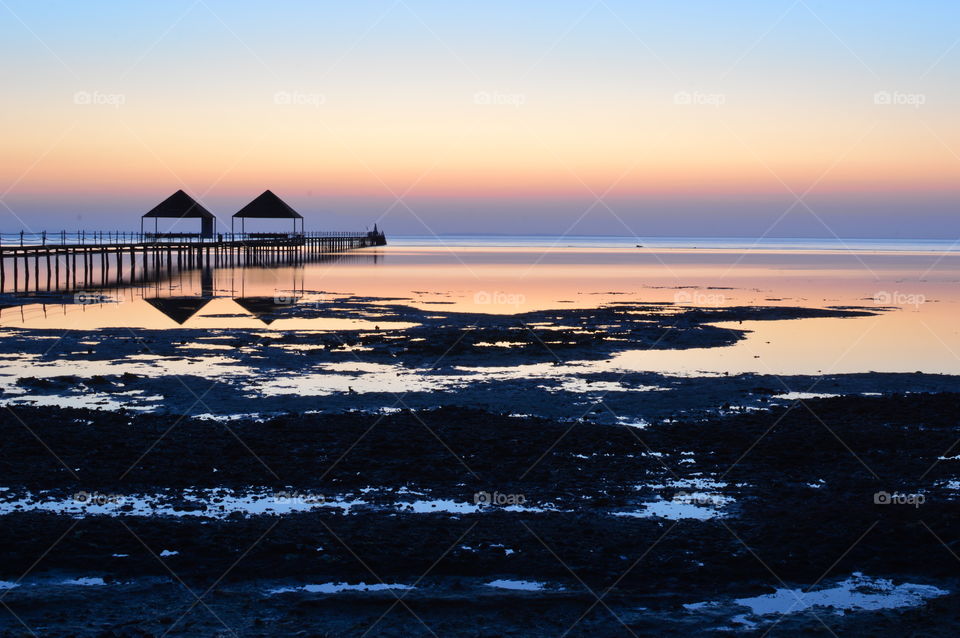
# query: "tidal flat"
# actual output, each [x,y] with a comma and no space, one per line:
[408,480]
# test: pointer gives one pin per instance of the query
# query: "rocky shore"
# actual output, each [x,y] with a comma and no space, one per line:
[481,479]
[652,521]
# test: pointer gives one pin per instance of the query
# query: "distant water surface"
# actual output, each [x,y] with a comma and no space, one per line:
[915,284]
[706,243]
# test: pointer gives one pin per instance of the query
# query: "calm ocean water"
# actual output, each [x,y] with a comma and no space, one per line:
[666,243]
[912,284]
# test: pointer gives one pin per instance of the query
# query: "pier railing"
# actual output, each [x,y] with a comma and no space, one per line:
[121,238]
[65,260]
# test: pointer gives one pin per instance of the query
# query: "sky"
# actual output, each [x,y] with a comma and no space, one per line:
[780,118]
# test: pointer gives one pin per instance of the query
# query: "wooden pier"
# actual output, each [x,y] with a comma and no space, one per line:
[64,262]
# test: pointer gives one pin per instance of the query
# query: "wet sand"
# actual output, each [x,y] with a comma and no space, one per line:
[451,357]
[500,478]
[677,513]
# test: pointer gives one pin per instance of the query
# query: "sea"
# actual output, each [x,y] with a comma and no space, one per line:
[911,286]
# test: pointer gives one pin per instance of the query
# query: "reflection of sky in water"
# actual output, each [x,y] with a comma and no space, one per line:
[517,585]
[505,280]
[896,341]
[336,588]
[859,592]
[219,503]
[363,378]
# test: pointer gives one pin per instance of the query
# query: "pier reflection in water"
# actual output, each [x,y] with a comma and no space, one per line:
[231,288]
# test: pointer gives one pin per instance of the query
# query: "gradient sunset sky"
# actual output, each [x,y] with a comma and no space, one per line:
[785,117]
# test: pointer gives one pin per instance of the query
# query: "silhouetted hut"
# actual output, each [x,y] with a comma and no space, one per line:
[266,309]
[182,206]
[267,206]
[180,309]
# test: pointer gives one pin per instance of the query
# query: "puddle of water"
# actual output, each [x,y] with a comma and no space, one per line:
[252,416]
[439,506]
[517,585]
[498,344]
[220,503]
[858,592]
[700,507]
[702,484]
[132,400]
[336,588]
[805,396]
[696,498]
[390,379]
[583,386]
[205,346]
[206,503]
[462,507]
[84,582]
[31,365]
[640,424]
[895,341]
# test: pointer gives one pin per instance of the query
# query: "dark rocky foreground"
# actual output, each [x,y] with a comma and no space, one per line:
[802,481]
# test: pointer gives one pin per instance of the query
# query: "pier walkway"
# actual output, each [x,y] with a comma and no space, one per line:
[44,262]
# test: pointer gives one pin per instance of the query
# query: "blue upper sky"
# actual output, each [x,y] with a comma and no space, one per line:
[795,117]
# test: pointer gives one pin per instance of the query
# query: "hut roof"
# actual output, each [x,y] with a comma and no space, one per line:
[268,206]
[179,206]
[266,309]
[180,309]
